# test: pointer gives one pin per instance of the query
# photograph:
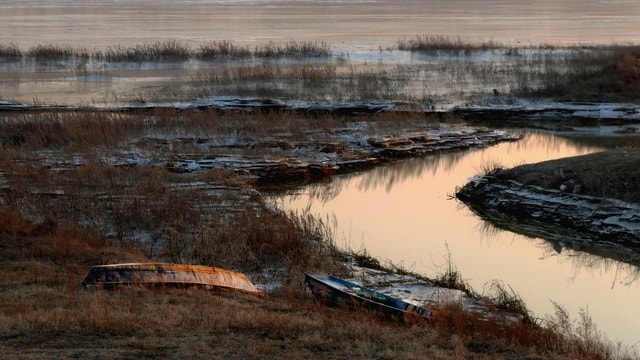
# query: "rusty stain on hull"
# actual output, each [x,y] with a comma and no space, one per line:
[165,274]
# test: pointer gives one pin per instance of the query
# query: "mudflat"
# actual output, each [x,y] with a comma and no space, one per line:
[612,174]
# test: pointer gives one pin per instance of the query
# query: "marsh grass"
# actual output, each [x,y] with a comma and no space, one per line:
[593,74]
[10,51]
[609,174]
[454,71]
[50,52]
[44,311]
[222,49]
[293,48]
[307,82]
[450,45]
[167,51]
[65,208]
[172,51]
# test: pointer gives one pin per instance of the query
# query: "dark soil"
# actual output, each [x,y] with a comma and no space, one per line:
[588,203]
[612,174]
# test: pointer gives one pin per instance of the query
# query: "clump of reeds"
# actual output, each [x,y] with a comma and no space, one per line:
[293,48]
[598,74]
[10,51]
[168,51]
[222,49]
[505,299]
[48,52]
[450,277]
[447,44]
[171,50]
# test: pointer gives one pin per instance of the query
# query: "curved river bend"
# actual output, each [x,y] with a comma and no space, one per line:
[404,213]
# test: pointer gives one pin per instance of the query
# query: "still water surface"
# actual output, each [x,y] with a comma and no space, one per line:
[347,24]
[404,213]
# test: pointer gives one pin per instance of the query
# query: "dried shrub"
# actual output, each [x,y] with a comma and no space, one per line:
[447,44]
[293,48]
[10,51]
[48,52]
[222,49]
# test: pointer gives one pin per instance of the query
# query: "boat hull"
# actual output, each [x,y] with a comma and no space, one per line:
[161,274]
[335,291]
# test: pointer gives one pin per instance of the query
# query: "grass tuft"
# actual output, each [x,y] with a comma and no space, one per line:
[449,45]
[10,51]
[49,52]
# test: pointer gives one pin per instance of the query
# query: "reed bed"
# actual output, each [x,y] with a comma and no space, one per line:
[452,73]
[10,51]
[167,51]
[592,74]
[451,45]
[170,51]
[45,312]
[64,206]
[223,49]
[293,48]
[49,52]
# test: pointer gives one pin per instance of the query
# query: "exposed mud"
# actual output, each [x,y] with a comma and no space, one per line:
[341,151]
[588,203]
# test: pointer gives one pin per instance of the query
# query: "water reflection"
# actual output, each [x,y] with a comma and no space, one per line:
[547,146]
[403,213]
[581,252]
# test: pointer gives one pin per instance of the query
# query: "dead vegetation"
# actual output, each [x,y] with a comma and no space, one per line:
[610,174]
[475,72]
[169,51]
[64,208]
[65,205]
[45,312]
[435,44]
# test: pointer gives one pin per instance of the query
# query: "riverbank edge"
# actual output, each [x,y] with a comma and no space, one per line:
[564,216]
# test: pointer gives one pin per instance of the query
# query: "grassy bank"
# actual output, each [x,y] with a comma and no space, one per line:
[609,174]
[45,312]
[66,205]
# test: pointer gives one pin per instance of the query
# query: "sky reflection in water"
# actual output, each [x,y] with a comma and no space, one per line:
[404,213]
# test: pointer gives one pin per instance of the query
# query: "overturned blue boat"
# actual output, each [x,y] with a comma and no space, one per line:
[335,291]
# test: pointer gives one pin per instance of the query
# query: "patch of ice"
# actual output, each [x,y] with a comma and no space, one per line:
[191,165]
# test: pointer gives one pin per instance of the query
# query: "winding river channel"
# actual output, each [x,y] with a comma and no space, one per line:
[404,213]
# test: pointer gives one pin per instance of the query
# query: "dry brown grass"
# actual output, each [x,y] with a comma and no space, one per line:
[44,312]
[612,174]
[598,74]
[450,45]
[58,220]
[577,73]
[167,51]
[10,51]
[50,52]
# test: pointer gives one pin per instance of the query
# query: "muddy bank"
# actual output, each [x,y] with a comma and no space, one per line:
[342,151]
[588,203]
